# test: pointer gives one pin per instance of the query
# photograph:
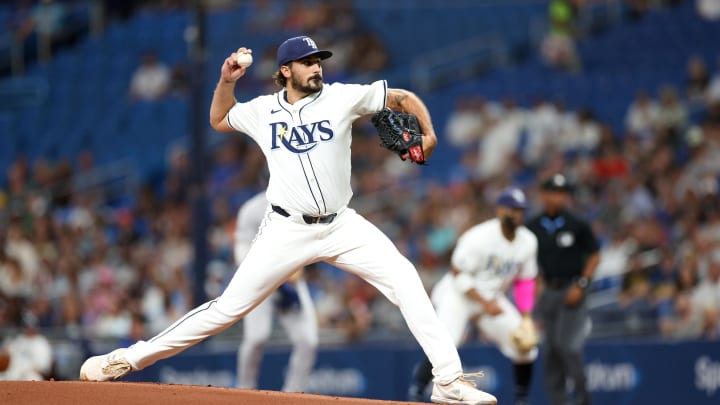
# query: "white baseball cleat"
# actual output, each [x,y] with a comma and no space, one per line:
[106,367]
[461,391]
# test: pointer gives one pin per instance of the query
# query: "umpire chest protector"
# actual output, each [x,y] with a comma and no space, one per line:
[564,244]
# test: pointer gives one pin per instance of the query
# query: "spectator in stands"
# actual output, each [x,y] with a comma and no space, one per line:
[636,287]
[610,163]
[703,165]
[151,80]
[70,318]
[664,288]
[708,9]
[687,276]
[697,80]
[672,114]
[614,258]
[301,18]
[45,19]
[62,184]
[558,46]
[175,250]
[48,17]
[683,321]
[686,316]
[713,91]
[368,54]
[179,81]
[707,293]
[346,309]
[588,136]
[466,122]
[228,171]
[641,116]
[581,135]
[543,131]
[639,205]
[115,322]
[500,143]
[20,248]
[665,272]
[355,319]
[14,283]
[18,190]
[138,329]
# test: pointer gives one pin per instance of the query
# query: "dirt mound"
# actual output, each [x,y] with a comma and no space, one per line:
[123,393]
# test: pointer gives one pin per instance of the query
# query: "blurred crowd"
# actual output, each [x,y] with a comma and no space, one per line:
[651,190]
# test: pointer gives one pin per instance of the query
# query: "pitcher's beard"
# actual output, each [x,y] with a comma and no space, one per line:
[313,85]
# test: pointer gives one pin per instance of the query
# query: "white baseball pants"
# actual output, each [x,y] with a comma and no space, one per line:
[456,310]
[283,245]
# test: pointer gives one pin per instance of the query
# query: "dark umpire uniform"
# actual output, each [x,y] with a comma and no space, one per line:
[567,257]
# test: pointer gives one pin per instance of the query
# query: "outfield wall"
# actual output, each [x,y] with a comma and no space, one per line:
[618,373]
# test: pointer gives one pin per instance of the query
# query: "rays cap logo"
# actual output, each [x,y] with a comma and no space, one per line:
[512,197]
[297,48]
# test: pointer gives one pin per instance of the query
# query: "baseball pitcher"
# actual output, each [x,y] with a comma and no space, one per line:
[304,131]
[488,259]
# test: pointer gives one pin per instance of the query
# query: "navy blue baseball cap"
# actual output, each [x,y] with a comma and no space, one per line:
[297,48]
[556,182]
[512,197]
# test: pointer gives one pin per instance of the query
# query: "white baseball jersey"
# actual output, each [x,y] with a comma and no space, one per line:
[307,144]
[493,262]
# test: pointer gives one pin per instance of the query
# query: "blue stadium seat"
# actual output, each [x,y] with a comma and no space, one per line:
[644,54]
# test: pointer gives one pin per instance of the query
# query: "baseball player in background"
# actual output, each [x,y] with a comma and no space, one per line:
[291,303]
[304,131]
[487,260]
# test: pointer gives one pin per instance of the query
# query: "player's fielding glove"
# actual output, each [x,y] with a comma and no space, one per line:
[400,133]
[525,337]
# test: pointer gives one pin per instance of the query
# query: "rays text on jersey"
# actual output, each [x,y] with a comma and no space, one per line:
[301,138]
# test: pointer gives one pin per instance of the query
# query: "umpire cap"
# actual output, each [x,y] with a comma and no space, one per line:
[297,48]
[556,182]
[512,197]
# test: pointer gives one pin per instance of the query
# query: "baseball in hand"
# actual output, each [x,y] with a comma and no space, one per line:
[244,59]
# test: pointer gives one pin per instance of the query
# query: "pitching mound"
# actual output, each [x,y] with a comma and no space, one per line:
[122,393]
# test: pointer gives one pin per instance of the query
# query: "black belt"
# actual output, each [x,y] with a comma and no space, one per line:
[309,219]
[558,282]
